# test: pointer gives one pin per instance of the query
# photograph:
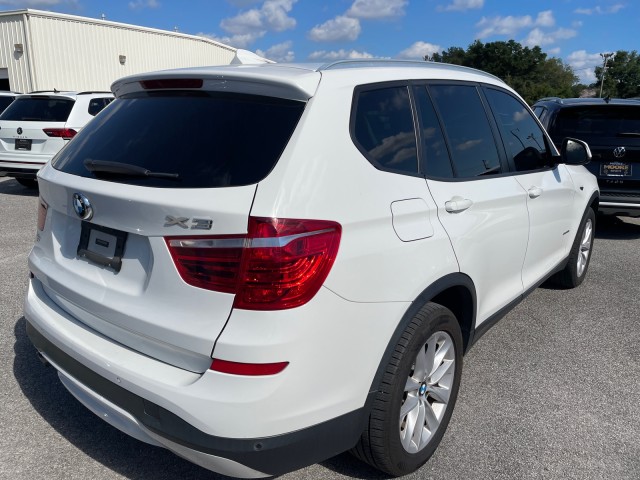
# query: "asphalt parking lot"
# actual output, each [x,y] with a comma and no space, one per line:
[552,391]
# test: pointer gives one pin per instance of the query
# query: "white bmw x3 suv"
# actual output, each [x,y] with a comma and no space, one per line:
[260,267]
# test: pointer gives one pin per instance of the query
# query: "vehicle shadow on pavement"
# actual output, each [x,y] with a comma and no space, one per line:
[616,228]
[12,187]
[80,427]
[348,465]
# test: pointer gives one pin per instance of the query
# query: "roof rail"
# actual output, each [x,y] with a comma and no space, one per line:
[370,62]
[551,99]
[89,92]
[55,90]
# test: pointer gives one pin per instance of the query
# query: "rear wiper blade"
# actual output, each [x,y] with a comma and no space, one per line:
[628,134]
[118,168]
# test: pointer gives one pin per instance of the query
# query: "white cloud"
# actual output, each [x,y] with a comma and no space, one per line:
[339,55]
[338,28]
[540,38]
[509,25]
[599,10]
[280,52]
[584,64]
[554,51]
[236,41]
[273,15]
[461,6]
[140,4]
[375,9]
[545,19]
[419,49]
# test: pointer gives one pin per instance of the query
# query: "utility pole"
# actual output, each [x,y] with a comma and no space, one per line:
[605,57]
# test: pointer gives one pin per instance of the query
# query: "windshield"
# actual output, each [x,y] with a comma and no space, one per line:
[203,140]
[597,121]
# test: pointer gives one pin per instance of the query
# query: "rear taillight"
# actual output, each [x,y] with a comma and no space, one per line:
[279,264]
[65,133]
[42,213]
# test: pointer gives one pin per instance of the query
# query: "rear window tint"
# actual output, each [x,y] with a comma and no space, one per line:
[596,121]
[5,102]
[38,109]
[208,140]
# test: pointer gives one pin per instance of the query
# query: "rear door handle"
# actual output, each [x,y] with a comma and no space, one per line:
[534,192]
[457,205]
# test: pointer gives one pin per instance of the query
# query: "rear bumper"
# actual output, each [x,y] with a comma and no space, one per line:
[21,171]
[148,422]
[620,203]
[235,425]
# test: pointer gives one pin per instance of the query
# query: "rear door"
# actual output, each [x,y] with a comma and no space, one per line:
[481,206]
[159,171]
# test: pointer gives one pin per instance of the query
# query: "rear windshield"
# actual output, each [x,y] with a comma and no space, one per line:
[597,121]
[5,102]
[201,140]
[38,109]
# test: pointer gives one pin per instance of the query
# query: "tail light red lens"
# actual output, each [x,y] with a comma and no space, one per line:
[248,369]
[279,264]
[65,133]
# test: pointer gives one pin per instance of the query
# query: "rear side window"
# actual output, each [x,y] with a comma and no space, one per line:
[97,104]
[38,109]
[467,128]
[437,162]
[383,129]
[597,121]
[202,140]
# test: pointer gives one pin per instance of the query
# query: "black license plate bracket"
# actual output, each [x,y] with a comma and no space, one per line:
[102,245]
[23,144]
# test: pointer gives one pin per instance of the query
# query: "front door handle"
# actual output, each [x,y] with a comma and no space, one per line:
[457,205]
[534,192]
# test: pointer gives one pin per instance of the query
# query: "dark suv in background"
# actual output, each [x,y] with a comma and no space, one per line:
[611,127]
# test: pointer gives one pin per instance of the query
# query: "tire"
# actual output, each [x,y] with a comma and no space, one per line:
[28,182]
[575,271]
[412,408]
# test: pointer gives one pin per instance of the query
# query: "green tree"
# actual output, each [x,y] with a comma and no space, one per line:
[622,78]
[526,70]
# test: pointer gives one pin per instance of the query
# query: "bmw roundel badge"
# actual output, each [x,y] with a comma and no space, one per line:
[82,206]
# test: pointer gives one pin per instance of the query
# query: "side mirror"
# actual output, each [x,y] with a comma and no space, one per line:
[575,152]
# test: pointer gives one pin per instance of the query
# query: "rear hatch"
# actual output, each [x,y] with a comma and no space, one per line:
[165,166]
[35,125]
[613,134]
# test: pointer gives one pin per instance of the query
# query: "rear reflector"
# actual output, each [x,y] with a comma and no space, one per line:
[248,369]
[279,264]
[162,84]
[42,213]
[65,133]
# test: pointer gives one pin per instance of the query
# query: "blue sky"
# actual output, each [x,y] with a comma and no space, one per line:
[576,31]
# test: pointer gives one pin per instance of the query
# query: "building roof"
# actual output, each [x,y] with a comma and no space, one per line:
[97,21]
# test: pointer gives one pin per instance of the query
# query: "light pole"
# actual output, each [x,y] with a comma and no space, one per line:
[605,57]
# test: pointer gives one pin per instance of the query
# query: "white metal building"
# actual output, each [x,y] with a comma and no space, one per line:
[45,50]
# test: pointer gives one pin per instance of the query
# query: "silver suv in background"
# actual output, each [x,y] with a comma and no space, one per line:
[37,125]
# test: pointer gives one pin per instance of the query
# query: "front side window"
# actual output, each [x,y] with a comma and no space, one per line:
[383,129]
[522,136]
[472,146]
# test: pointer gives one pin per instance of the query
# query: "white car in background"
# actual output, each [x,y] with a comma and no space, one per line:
[260,267]
[35,126]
